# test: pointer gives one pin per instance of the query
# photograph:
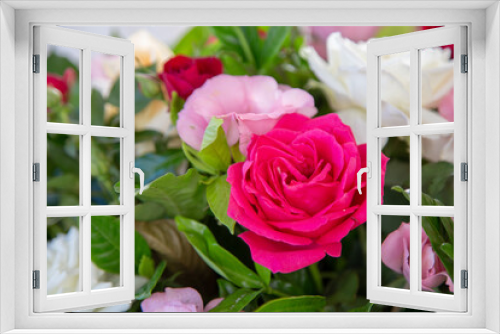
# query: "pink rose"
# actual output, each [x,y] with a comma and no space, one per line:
[296,192]
[396,255]
[446,105]
[319,34]
[248,105]
[177,300]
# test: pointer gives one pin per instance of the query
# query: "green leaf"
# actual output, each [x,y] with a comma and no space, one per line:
[214,149]
[235,152]
[145,291]
[141,101]
[236,301]
[105,244]
[347,288]
[155,165]
[149,211]
[218,193]
[220,260]
[448,250]
[274,41]
[225,287]
[97,108]
[394,30]
[193,41]
[193,157]
[146,267]
[175,106]
[180,195]
[149,85]
[365,308]
[264,273]
[294,304]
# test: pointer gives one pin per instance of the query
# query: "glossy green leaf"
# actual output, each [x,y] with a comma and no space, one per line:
[235,152]
[448,250]
[272,45]
[214,149]
[220,260]
[264,273]
[193,157]
[146,267]
[149,211]
[105,245]
[218,193]
[145,291]
[192,42]
[236,301]
[365,308]
[294,304]
[97,108]
[225,287]
[175,106]
[149,85]
[179,195]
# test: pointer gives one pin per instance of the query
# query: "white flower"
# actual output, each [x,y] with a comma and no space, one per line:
[63,269]
[343,79]
[149,50]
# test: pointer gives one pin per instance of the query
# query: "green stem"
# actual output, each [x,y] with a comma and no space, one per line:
[271,291]
[245,46]
[316,276]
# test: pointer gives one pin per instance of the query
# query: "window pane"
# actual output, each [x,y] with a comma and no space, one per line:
[63,255]
[397,171]
[436,66]
[105,251]
[395,251]
[395,89]
[437,254]
[437,169]
[105,78]
[63,103]
[105,154]
[63,170]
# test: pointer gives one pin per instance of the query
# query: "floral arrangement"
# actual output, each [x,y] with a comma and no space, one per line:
[251,139]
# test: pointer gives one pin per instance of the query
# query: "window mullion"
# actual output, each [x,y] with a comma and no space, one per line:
[414,173]
[85,167]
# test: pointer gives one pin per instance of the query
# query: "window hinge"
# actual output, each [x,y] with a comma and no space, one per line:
[36,63]
[465,279]
[36,172]
[36,279]
[465,64]
[464,167]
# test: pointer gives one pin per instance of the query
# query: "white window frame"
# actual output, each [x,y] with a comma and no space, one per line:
[414,44]
[483,21]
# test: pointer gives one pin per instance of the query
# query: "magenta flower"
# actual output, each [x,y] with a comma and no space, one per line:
[296,192]
[177,300]
[396,255]
[248,105]
[446,106]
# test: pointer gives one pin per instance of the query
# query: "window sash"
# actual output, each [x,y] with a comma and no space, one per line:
[86,43]
[414,298]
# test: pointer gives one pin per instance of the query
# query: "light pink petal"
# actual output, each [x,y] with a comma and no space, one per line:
[213,303]
[186,296]
[392,250]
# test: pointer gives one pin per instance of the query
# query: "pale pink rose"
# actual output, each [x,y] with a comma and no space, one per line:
[248,105]
[177,300]
[296,192]
[446,106]
[396,255]
[318,35]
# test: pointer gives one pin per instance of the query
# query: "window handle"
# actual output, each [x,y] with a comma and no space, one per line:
[139,171]
[368,172]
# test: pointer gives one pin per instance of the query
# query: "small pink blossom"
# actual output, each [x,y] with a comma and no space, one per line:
[396,255]
[248,105]
[177,300]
